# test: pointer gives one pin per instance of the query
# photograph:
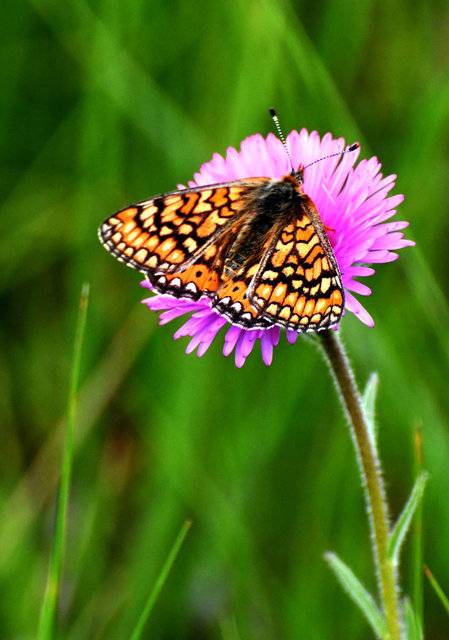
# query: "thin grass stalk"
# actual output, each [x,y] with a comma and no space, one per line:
[417,530]
[437,588]
[160,581]
[52,589]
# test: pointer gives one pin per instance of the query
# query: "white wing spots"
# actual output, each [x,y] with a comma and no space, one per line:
[191,287]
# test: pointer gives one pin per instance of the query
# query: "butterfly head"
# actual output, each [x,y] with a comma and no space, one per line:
[299,175]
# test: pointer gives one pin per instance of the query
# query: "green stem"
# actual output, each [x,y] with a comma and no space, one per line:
[370,469]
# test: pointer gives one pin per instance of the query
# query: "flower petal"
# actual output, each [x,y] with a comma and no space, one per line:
[352,304]
[244,346]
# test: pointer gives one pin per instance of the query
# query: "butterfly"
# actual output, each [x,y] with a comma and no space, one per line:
[256,247]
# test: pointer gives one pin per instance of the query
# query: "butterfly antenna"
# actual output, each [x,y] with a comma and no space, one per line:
[277,124]
[352,147]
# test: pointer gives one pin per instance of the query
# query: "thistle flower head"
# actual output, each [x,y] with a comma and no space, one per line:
[355,208]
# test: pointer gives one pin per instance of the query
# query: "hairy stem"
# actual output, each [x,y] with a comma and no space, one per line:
[370,470]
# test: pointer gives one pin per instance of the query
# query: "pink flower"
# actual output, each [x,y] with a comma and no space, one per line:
[353,203]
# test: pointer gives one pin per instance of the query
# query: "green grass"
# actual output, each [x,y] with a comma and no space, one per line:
[105,103]
[53,587]
[160,581]
[437,589]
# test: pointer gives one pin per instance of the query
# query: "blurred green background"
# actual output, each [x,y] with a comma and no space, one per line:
[105,103]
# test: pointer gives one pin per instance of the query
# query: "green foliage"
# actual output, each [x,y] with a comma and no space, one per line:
[402,526]
[369,398]
[412,623]
[105,103]
[437,589]
[358,593]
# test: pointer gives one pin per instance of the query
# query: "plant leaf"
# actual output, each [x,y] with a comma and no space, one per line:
[357,592]
[412,622]
[369,397]
[402,525]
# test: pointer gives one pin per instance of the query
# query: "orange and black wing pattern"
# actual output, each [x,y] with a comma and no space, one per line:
[212,241]
[178,239]
[295,283]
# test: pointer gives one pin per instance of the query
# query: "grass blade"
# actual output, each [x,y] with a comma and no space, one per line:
[357,592]
[160,581]
[412,622]
[50,602]
[417,574]
[436,587]
[402,525]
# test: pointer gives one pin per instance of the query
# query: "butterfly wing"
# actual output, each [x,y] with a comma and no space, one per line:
[300,285]
[294,283]
[178,239]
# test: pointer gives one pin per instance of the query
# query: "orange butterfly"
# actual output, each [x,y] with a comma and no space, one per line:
[256,247]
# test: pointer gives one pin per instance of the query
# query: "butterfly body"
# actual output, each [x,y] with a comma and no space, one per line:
[256,247]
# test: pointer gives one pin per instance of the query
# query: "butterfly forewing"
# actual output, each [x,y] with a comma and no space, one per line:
[176,239]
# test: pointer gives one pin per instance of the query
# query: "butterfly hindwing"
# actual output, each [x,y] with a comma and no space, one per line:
[232,301]
[300,285]
[294,282]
